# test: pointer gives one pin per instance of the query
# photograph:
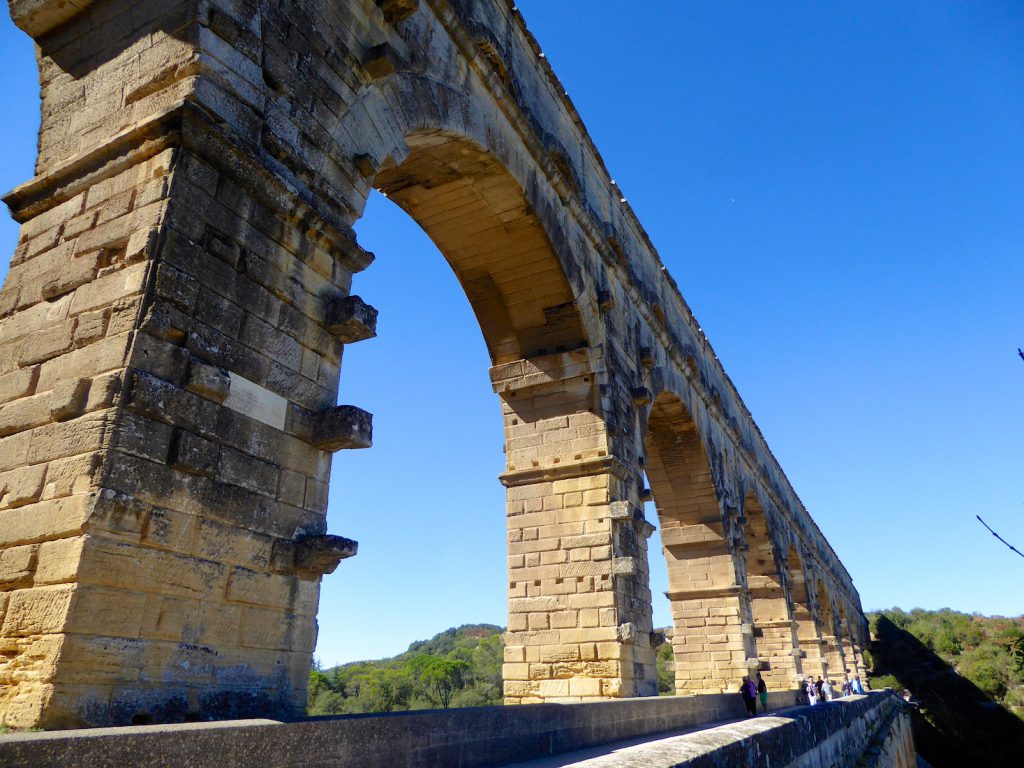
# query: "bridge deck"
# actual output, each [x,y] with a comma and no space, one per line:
[665,750]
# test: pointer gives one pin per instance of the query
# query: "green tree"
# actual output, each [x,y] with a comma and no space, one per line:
[441,676]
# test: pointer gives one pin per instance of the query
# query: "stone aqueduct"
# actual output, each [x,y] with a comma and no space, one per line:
[173,327]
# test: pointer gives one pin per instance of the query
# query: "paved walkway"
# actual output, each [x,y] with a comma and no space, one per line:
[665,750]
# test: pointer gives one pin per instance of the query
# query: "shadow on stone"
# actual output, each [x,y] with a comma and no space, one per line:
[955,722]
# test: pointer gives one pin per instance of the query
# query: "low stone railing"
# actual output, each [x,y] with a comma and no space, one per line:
[485,736]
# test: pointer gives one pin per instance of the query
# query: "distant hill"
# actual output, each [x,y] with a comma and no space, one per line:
[460,667]
[964,673]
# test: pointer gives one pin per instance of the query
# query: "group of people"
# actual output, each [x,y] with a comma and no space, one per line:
[753,689]
[823,689]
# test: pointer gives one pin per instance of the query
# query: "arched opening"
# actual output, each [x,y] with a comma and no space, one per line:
[833,659]
[806,630]
[475,212]
[847,643]
[559,531]
[773,627]
[711,649]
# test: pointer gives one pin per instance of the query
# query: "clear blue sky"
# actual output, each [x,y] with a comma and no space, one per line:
[838,188]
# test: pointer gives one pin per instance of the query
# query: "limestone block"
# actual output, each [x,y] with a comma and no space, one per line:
[18,384]
[350,319]
[118,513]
[194,454]
[21,486]
[67,399]
[91,327]
[44,520]
[209,381]
[341,427]
[17,565]
[37,611]
[47,343]
[57,561]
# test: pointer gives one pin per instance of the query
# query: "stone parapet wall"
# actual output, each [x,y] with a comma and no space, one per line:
[834,734]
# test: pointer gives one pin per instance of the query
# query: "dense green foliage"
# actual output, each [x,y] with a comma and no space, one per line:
[965,677]
[987,651]
[460,667]
[666,670]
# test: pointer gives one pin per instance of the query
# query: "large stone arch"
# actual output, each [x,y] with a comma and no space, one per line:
[831,650]
[712,637]
[172,331]
[774,630]
[806,628]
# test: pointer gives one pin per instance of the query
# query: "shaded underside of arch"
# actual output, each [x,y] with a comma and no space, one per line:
[707,612]
[774,630]
[477,215]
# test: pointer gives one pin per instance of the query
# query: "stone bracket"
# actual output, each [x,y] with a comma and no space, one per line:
[319,555]
[381,60]
[350,319]
[37,17]
[343,427]
[398,10]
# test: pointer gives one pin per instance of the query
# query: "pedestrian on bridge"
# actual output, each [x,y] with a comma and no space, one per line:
[812,692]
[762,692]
[748,690]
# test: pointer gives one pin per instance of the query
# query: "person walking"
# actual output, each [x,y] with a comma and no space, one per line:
[812,692]
[826,689]
[818,685]
[762,692]
[857,687]
[748,690]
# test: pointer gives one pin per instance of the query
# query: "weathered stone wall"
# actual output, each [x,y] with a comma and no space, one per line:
[841,734]
[172,332]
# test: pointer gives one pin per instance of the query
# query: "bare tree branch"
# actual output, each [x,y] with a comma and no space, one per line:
[1012,548]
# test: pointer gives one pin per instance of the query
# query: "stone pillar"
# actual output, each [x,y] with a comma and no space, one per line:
[579,622]
[170,340]
[775,635]
[832,656]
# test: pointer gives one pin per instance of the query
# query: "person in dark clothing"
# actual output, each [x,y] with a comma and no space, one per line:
[762,692]
[818,685]
[748,690]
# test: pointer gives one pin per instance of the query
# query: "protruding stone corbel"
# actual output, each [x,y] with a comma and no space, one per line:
[646,495]
[605,300]
[209,381]
[381,60]
[352,255]
[624,566]
[319,555]
[626,633]
[398,10]
[646,357]
[641,396]
[350,319]
[622,510]
[366,165]
[645,529]
[343,427]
